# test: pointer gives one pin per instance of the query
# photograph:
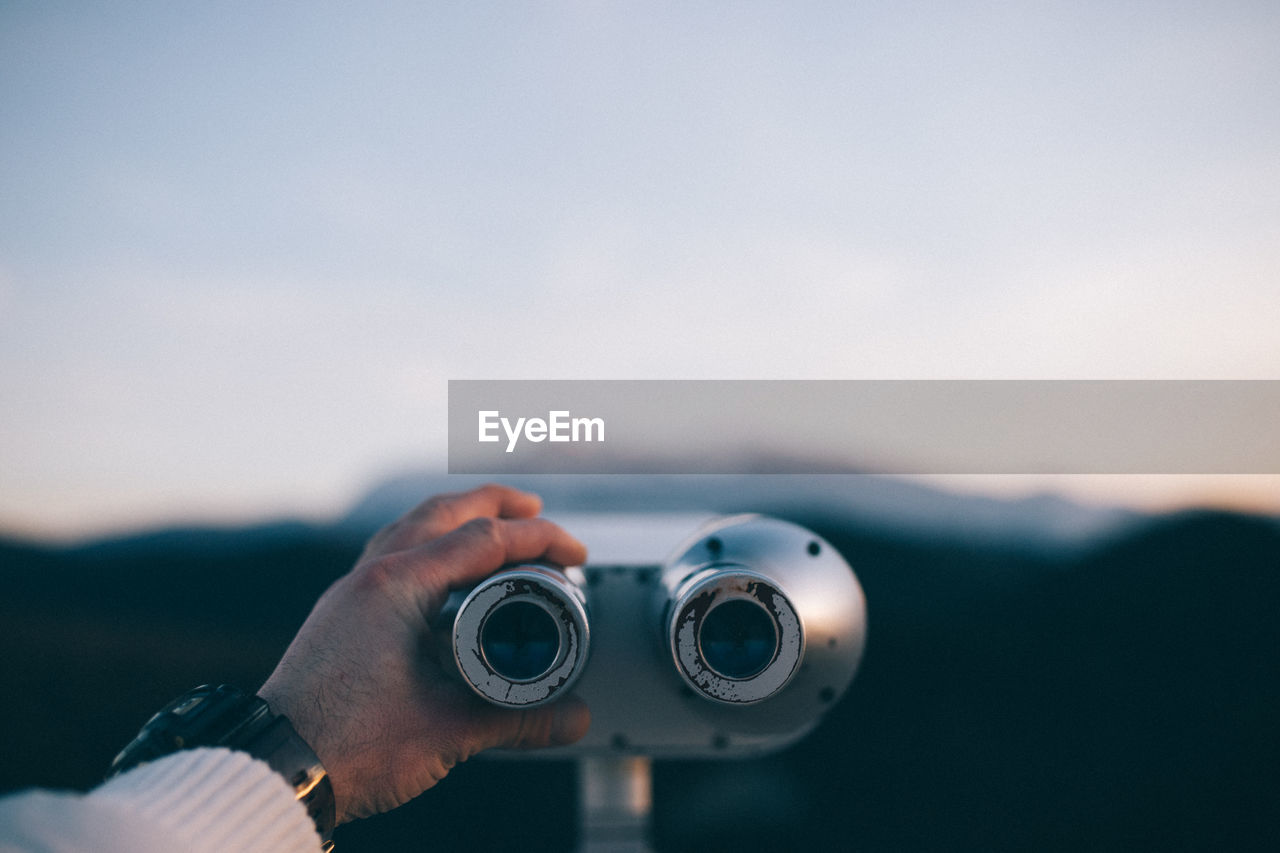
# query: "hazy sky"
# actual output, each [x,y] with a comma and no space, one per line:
[243,246]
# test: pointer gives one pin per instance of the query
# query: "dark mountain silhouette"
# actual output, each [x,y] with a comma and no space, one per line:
[886,503]
[1016,694]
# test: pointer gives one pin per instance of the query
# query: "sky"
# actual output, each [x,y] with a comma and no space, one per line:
[244,246]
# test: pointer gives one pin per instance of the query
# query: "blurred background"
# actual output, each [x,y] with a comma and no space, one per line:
[243,248]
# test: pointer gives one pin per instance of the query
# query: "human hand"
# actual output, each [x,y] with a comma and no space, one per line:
[363,681]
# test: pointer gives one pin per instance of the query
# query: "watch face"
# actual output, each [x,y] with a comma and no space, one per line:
[205,716]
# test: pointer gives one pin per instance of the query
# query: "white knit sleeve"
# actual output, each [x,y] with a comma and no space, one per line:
[198,800]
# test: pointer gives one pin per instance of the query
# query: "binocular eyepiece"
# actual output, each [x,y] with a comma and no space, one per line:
[521,637]
[734,636]
[744,632]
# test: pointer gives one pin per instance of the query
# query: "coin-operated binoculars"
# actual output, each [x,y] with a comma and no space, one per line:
[688,637]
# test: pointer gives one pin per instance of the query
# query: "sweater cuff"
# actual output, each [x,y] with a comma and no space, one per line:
[219,799]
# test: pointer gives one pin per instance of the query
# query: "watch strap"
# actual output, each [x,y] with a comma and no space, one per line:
[227,716]
[285,752]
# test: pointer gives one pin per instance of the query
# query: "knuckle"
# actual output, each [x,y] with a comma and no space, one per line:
[483,527]
[440,511]
[489,534]
[386,533]
[524,728]
[437,504]
[378,575]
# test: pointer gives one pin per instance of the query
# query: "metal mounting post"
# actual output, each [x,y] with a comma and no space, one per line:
[615,799]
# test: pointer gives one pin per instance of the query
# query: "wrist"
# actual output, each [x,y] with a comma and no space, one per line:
[308,725]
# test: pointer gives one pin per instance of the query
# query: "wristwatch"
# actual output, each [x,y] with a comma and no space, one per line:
[227,716]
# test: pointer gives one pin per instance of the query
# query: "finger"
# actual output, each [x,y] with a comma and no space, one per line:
[441,514]
[481,546]
[558,724]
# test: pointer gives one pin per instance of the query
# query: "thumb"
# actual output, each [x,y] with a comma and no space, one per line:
[558,724]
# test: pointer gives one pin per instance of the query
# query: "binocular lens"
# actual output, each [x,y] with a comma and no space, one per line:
[738,639]
[520,640]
